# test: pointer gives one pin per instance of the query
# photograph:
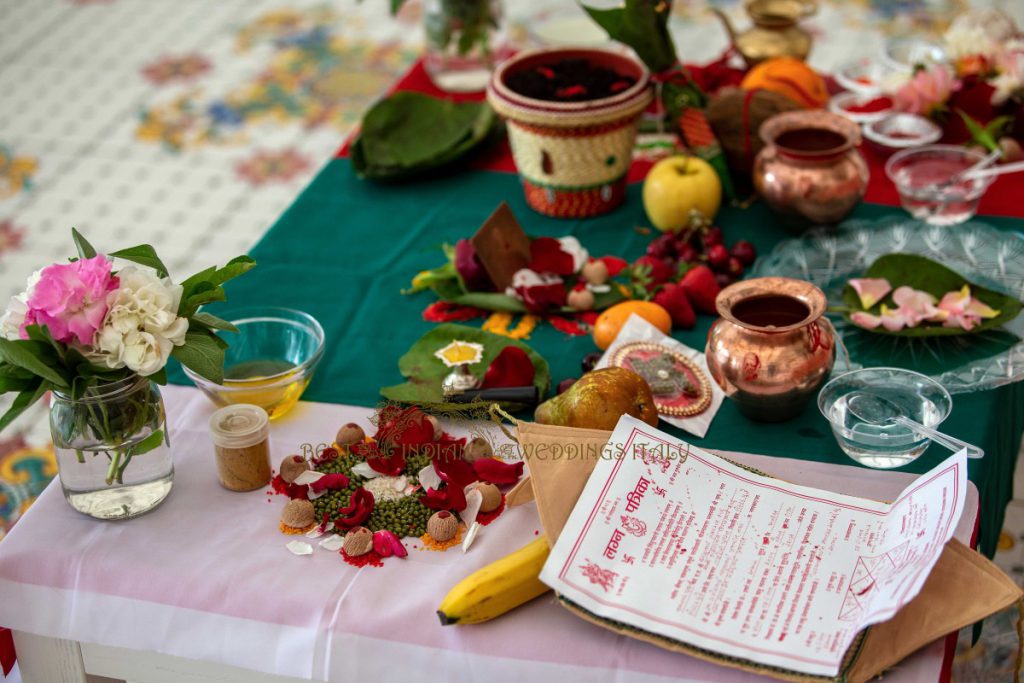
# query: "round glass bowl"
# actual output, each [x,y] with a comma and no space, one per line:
[884,446]
[269,361]
[895,132]
[922,177]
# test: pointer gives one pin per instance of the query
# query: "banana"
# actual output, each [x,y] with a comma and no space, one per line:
[497,588]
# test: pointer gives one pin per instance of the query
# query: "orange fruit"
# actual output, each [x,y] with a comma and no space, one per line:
[789,77]
[614,317]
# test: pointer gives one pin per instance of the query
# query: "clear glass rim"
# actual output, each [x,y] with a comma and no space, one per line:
[104,391]
[290,316]
[904,154]
[947,406]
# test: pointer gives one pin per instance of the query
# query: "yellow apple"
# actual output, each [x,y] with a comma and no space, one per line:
[676,185]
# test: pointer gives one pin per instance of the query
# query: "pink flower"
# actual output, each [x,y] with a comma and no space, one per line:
[963,310]
[892,319]
[70,299]
[926,91]
[915,306]
[871,290]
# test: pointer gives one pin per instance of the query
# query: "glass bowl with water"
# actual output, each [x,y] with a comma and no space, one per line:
[889,445]
[924,179]
[269,362]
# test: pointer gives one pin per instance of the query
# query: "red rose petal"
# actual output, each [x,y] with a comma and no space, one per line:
[510,368]
[329,481]
[546,256]
[497,472]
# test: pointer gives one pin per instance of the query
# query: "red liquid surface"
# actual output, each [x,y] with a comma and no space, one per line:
[771,311]
[810,140]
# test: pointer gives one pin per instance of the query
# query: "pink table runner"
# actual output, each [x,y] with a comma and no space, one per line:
[207,577]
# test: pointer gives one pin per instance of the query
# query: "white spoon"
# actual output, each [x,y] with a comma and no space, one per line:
[1015,167]
[878,410]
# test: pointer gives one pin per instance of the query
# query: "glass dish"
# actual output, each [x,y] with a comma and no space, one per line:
[923,177]
[894,132]
[270,360]
[906,54]
[992,258]
[884,446]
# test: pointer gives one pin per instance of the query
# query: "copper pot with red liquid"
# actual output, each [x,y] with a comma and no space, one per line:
[772,349]
[810,170]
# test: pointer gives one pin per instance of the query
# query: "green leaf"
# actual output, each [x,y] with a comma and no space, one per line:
[203,297]
[144,255]
[85,250]
[202,355]
[37,357]
[232,269]
[408,133]
[643,26]
[148,444]
[22,402]
[190,284]
[213,321]
[159,377]
[424,371]
[396,5]
[926,275]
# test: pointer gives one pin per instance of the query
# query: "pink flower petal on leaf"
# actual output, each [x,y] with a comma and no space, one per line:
[870,290]
[981,309]
[866,320]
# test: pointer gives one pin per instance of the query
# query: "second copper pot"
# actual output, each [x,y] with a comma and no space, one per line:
[810,170]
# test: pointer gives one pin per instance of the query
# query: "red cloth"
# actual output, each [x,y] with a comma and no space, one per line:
[1002,199]
[7,656]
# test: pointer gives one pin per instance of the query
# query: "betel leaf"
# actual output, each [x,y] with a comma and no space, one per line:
[144,255]
[424,371]
[37,357]
[85,250]
[926,275]
[643,26]
[408,133]
[202,355]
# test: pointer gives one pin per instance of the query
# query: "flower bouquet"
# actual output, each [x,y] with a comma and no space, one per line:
[100,339]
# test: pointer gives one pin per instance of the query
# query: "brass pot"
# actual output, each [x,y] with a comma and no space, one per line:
[772,349]
[810,170]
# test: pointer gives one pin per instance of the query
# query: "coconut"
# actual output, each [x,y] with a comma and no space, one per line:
[349,434]
[491,497]
[477,448]
[736,117]
[358,541]
[442,526]
[291,467]
[298,514]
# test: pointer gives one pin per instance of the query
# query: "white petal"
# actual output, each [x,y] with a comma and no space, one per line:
[428,477]
[332,543]
[299,548]
[470,536]
[308,477]
[474,499]
[364,470]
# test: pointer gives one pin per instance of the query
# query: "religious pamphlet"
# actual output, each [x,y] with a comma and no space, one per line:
[678,542]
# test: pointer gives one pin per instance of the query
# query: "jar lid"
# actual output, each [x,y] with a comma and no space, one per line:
[239,425]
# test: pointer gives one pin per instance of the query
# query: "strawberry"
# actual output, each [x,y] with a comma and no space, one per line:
[701,288]
[653,270]
[672,298]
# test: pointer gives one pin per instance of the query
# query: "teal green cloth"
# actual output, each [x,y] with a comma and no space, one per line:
[346,247]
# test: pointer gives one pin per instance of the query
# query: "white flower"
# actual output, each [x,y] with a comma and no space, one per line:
[14,317]
[968,40]
[142,324]
[524,277]
[572,246]
[1010,81]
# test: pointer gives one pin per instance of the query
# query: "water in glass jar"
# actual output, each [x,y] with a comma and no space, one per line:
[923,196]
[887,445]
[146,481]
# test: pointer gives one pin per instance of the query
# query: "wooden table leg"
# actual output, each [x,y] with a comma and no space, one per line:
[48,660]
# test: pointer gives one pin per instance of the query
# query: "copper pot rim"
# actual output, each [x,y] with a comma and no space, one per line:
[794,120]
[801,290]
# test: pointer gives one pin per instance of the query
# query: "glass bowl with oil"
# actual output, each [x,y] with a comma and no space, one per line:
[269,362]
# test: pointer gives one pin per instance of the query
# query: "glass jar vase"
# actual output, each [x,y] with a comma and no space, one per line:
[464,42]
[113,450]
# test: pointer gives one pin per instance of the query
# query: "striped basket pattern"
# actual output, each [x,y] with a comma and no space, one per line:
[572,156]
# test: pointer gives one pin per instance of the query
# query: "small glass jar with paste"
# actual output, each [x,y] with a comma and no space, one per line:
[241,440]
